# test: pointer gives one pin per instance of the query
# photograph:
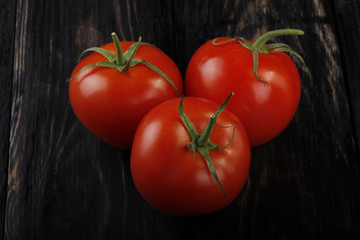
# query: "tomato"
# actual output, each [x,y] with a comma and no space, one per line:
[111,103]
[176,180]
[266,103]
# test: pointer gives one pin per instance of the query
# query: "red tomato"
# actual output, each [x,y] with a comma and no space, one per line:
[265,110]
[111,103]
[170,177]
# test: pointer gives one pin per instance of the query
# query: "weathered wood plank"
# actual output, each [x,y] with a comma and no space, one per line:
[7,26]
[347,16]
[64,183]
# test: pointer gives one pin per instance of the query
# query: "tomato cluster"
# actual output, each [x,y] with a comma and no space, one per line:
[189,155]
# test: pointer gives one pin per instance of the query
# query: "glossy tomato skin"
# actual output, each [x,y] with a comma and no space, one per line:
[265,111]
[168,175]
[110,103]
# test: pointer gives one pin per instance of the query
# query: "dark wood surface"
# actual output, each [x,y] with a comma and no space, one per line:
[58,181]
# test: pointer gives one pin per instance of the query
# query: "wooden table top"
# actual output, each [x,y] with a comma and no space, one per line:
[59,181]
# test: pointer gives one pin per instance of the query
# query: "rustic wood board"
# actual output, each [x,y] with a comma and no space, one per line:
[7,29]
[58,181]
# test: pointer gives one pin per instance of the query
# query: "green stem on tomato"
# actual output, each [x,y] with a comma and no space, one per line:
[259,46]
[201,142]
[119,53]
[205,134]
[123,61]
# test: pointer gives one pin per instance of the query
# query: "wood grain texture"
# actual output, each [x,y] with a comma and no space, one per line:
[7,27]
[64,183]
[347,15]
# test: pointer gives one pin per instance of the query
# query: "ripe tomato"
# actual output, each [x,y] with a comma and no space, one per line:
[176,180]
[264,104]
[111,103]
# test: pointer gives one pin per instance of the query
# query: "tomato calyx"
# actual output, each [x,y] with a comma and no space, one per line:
[200,142]
[123,61]
[260,46]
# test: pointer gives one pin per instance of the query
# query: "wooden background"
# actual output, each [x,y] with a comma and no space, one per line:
[58,181]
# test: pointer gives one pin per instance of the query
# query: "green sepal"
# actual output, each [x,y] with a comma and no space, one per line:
[186,121]
[108,55]
[130,54]
[157,70]
[290,51]
[267,48]
[243,42]
[255,54]
[205,153]
[98,64]
[215,43]
[216,147]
